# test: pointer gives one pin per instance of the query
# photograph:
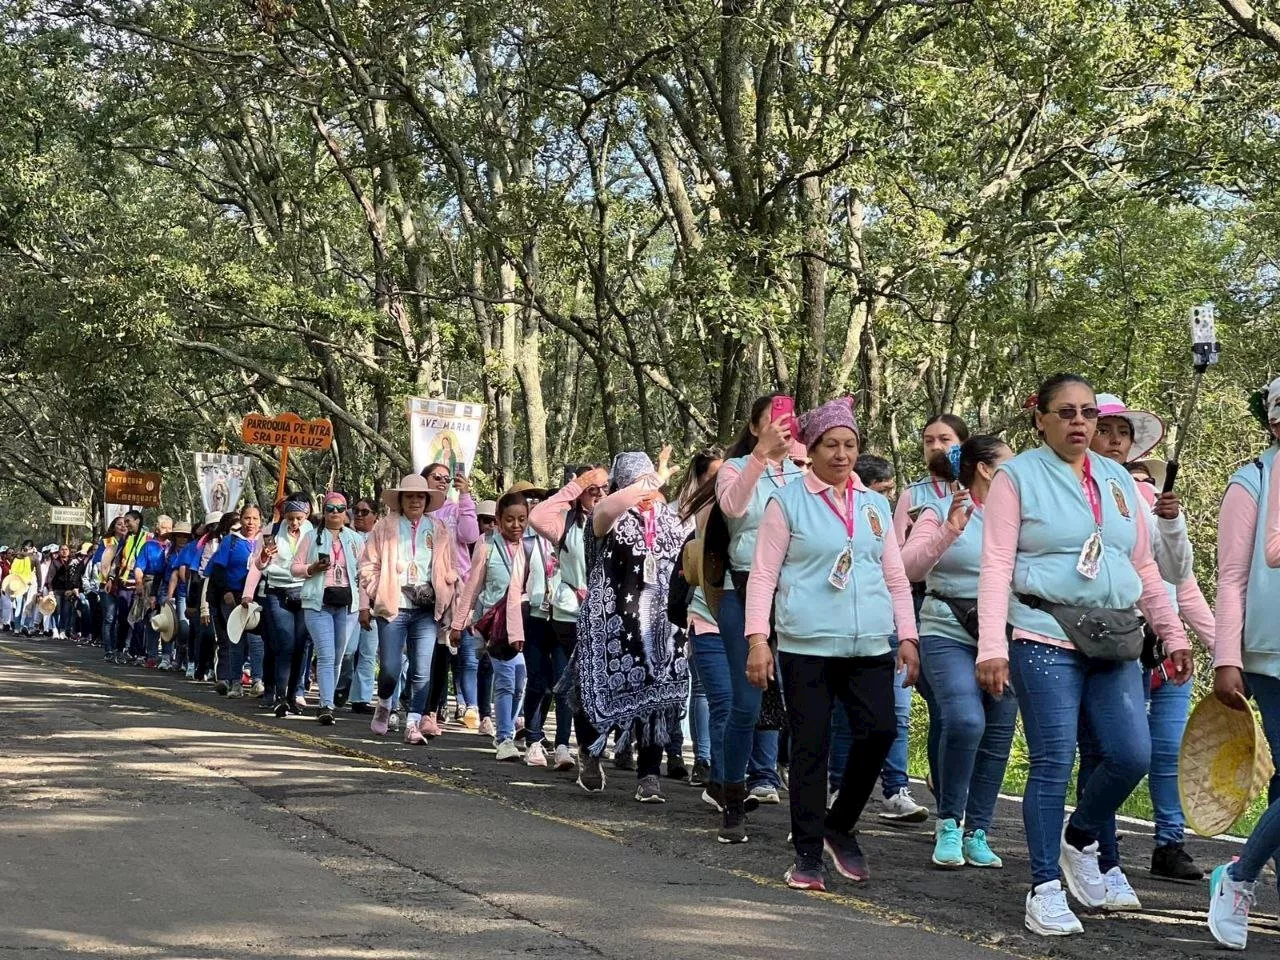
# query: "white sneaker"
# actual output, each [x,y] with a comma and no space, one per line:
[1229,903]
[486,727]
[535,756]
[507,750]
[393,722]
[902,808]
[1120,895]
[1080,871]
[164,663]
[257,690]
[191,671]
[1048,913]
[563,758]
[766,793]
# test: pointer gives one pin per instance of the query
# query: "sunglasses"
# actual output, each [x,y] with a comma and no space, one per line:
[439,477]
[595,491]
[1070,413]
[363,511]
[334,508]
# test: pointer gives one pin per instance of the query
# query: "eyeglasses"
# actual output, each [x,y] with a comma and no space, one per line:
[594,491]
[1070,413]
[334,508]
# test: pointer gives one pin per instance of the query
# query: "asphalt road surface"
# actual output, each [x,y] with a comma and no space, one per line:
[143,816]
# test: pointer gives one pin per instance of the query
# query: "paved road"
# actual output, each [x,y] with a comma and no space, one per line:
[143,816]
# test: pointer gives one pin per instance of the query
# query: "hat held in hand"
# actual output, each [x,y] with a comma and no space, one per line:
[1223,764]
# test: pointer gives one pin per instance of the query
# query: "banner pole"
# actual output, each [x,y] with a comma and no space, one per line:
[284,472]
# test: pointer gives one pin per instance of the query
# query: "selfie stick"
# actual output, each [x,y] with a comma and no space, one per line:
[1205,350]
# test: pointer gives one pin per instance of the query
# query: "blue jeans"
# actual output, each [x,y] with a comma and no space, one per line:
[289,635]
[412,630]
[468,664]
[1264,842]
[699,716]
[841,743]
[1055,687]
[508,689]
[362,648]
[976,730]
[893,776]
[328,628]
[545,659]
[722,662]
[249,648]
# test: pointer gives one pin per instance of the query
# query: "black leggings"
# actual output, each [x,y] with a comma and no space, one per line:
[648,760]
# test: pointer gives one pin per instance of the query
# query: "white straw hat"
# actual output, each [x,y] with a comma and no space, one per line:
[243,620]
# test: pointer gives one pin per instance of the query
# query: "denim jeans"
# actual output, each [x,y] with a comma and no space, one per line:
[484,683]
[328,630]
[508,689]
[180,644]
[1264,843]
[841,744]
[545,662]
[413,632]
[1055,687]
[362,657]
[249,648]
[762,767]
[288,639]
[722,661]
[468,667]
[699,716]
[894,775]
[111,616]
[65,619]
[976,730]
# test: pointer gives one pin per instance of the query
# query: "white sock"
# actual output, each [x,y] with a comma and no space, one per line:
[413,719]
[386,702]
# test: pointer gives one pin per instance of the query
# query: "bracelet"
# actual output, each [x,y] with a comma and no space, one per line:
[762,643]
[911,640]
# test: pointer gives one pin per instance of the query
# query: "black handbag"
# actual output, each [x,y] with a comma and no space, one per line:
[773,707]
[337,596]
[1096,631]
[964,609]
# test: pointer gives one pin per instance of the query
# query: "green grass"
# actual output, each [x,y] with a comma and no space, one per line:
[1015,777]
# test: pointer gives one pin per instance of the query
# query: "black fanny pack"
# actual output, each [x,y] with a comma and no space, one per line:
[290,597]
[420,594]
[1097,632]
[336,597]
[964,610]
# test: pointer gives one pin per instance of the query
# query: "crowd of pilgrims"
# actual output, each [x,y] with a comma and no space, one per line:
[774,608]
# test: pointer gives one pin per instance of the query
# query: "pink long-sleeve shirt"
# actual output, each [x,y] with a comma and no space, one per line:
[929,539]
[772,541]
[1002,523]
[1272,542]
[459,518]
[1237,526]
[735,486]
[548,517]
[475,584]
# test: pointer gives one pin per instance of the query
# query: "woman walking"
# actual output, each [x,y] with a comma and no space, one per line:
[562,520]
[827,564]
[283,602]
[407,581]
[327,561]
[944,551]
[228,571]
[1063,532]
[626,673]
[1247,655]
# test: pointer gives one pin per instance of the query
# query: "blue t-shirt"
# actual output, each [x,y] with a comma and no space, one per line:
[233,556]
[151,558]
[188,557]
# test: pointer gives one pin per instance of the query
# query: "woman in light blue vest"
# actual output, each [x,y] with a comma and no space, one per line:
[273,559]
[975,729]
[329,559]
[758,463]
[827,566]
[1064,530]
[1247,653]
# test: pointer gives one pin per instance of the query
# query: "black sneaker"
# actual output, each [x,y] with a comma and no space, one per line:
[359,707]
[676,770]
[325,716]
[1172,862]
[807,874]
[713,794]
[701,771]
[847,856]
[649,790]
[221,688]
[591,776]
[733,828]
[281,709]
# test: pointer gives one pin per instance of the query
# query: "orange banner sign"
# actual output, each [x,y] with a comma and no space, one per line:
[287,430]
[133,487]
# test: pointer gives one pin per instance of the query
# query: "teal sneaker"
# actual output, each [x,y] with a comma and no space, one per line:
[978,854]
[947,847]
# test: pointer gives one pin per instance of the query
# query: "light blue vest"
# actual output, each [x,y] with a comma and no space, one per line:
[352,548]
[954,575]
[537,584]
[813,617]
[277,572]
[497,574]
[1260,646]
[1056,522]
[572,576]
[742,530]
[922,493]
[699,608]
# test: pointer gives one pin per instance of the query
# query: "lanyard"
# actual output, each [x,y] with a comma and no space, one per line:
[506,551]
[650,528]
[338,555]
[938,489]
[1091,493]
[549,559]
[413,538]
[779,479]
[848,517]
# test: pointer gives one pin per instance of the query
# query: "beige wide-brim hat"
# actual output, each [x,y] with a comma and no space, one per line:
[1148,429]
[48,604]
[703,571]
[413,483]
[1156,469]
[487,508]
[163,622]
[528,489]
[243,620]
[1223,764]
[14,585]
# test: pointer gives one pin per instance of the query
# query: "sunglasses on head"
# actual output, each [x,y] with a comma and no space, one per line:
[334,508]
[1071,412]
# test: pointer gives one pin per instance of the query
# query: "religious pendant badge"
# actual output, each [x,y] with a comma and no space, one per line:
[1090,563]
[843,566]
[650,537]
[839,576]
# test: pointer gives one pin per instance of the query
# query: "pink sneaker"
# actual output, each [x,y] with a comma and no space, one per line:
[429,726]
[378,724]
[412,734]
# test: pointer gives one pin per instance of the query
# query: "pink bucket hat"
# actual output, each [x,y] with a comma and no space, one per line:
[1148,429]
[832,414]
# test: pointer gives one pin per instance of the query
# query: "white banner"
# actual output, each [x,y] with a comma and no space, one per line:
[221,478]
[442,431]
[113,510]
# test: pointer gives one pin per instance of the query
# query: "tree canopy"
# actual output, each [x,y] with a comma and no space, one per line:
[618,223]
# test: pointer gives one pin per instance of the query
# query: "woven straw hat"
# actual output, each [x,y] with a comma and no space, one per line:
[1223,764]
[163,622]
[48,604]
[14,585]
